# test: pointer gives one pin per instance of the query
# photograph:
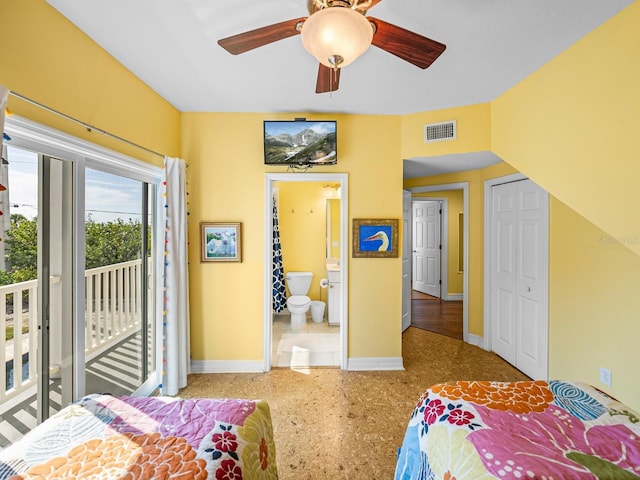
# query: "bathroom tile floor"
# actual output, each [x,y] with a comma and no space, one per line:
[314,344]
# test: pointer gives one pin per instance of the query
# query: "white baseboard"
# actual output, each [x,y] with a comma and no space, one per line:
[455,296]
[476,340]
[226,366]
[375,363]
[248,366]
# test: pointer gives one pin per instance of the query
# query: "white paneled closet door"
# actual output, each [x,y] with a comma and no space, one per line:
[519,276]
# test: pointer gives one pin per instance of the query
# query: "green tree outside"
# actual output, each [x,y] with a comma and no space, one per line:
[107,243]
[22,255]
[112,242]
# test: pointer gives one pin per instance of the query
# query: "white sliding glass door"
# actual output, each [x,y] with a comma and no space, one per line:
[119,315]
[77,275]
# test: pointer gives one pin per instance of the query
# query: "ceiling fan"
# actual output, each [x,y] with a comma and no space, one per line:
[351,33]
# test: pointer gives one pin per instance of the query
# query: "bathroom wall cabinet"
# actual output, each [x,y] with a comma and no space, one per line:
[334,298]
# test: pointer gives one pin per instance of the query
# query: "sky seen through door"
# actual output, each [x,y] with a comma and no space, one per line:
[108,197]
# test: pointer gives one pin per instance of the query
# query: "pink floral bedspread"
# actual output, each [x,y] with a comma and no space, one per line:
[108,437]
[519,430]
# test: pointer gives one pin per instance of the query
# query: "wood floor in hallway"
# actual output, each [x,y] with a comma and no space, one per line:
[436,315]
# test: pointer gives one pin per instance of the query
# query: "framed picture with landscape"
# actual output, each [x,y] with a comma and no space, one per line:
[375,238]
[221,242]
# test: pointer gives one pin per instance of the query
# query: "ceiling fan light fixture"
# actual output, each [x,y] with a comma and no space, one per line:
[336,33]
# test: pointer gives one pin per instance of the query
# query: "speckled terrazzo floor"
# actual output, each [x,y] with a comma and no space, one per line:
[333,424]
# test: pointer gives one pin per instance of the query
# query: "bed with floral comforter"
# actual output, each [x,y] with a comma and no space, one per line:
[108,437]
[519,430]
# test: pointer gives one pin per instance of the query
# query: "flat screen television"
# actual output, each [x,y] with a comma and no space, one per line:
[300,142]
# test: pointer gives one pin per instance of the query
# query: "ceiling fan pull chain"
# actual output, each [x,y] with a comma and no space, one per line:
[332,72]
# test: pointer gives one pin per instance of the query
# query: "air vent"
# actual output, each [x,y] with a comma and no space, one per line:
[437,132]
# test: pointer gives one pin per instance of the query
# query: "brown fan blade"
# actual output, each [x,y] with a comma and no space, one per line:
[243,42]
[412,47]
[328,79]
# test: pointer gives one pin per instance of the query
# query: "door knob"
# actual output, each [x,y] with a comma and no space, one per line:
[528,289]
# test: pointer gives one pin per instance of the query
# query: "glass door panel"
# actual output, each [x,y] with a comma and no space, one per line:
[36,299]
[119,327]
[18,292]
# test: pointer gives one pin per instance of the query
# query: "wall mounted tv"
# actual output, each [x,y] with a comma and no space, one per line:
[300,142]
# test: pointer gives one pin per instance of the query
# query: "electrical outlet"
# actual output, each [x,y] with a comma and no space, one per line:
[605,376]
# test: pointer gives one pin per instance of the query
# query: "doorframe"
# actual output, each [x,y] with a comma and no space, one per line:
[464,186]
[444,242]
[407,244]
[343,180]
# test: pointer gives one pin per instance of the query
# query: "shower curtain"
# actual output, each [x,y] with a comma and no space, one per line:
[279,299]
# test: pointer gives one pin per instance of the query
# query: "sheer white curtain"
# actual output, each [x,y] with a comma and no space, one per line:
[176,279]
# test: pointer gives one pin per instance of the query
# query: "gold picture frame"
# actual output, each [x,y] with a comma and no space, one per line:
[220,242]
[375,238]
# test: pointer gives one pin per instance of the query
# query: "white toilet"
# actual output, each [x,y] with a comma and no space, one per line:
[298,303]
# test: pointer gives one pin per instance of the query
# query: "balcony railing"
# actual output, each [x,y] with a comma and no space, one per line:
[112,312]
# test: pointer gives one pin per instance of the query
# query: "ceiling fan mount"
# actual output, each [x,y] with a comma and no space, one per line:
[356,32]
[360,5]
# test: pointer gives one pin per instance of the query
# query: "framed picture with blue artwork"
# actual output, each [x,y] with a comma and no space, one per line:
[221,242]
[374,238]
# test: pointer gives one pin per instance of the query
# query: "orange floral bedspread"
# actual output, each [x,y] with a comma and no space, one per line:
[107,437]
[519,430]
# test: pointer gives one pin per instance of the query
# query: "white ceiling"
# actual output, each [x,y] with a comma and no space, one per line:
[171,45]
[441,164]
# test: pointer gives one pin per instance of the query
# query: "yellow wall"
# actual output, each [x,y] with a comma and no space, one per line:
[333,206]
[594,313]
[572,126]
[455,207]
[303,224]
[225,156]
[473,131]
[47,59]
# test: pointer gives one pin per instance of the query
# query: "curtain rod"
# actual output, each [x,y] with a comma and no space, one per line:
[89,127]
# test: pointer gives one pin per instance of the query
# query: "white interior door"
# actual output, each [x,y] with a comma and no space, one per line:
[504,276]
[520,276]
[426,247]
[406,259]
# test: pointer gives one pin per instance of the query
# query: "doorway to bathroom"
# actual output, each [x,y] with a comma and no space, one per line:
[306,230]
